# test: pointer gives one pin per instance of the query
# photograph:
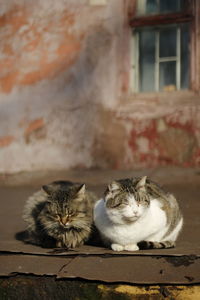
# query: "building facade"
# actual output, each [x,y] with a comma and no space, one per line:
[79,89]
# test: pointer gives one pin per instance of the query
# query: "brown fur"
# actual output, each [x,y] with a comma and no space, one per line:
[59,215]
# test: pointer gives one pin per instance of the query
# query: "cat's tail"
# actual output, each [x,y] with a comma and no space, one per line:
[156,245]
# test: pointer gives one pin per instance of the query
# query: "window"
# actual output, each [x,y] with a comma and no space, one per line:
[161,45]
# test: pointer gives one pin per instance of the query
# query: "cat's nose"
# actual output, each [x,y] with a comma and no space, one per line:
[135,212]
[64,220]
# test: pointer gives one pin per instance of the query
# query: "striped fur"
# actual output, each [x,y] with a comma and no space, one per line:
[59,215]
[156,245]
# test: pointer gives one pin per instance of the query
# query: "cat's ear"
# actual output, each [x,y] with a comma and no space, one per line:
[81,190]
[49,189]
[141,184]
[113,186]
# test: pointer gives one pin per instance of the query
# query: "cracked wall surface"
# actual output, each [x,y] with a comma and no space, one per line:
[64,93]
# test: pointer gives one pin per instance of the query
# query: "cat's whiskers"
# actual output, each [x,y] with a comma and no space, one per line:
[136,210]
[63,200]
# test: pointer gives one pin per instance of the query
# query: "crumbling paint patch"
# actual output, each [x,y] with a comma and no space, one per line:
[70,54]
[34,125]
[34,128]
[66,55]
[6,140]
[16,17]
[164,141]
[7,49]
[29,45]
[177,145]
[143,142]
[8,81]
[67,19]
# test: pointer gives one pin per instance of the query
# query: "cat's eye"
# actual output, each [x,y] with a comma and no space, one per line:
[117,205]
[53,216]
[123,204]
[70,214]
[56,216]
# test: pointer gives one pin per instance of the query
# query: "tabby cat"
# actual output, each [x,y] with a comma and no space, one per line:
[136,213]
[59,215]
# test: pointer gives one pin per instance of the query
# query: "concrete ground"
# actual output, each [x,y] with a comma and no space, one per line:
[166,175]
[144,269]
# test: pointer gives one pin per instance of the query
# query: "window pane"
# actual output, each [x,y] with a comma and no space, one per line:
[168,42]
[168,68]
[146,60]
[184,4]
[152,7]
[168,76]
[169,6]
[147,7]
[184,56]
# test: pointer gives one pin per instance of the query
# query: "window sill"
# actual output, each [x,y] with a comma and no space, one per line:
[184,95]
[153,105]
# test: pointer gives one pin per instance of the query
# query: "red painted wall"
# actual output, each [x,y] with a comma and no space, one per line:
[65,100]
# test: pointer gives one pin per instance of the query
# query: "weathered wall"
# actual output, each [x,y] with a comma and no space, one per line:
[58,62]
[151,132]
[64,77]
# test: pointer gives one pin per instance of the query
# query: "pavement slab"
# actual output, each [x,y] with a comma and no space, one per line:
[177,265]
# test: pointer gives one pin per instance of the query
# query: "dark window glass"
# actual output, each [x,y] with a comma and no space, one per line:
[147,60]
[168,42]
[167,76]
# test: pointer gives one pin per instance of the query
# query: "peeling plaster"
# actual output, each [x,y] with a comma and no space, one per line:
[67,63]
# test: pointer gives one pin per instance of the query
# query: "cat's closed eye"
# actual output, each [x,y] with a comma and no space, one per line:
[54,215]
[60,215]
[71,214]
[118,205]
[123,204]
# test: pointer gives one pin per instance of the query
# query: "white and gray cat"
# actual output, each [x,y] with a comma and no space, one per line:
[59,215]
[137,213]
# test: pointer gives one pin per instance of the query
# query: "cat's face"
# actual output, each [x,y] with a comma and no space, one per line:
[126,200]
[65,208]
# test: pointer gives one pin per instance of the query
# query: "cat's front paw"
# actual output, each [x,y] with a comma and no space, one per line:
[131,247]
[59,244]
[117,247]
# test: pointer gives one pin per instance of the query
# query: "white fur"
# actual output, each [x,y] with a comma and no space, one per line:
[123,229]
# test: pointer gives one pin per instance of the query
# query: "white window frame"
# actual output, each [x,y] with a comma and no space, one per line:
[194,67]
[135,59]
